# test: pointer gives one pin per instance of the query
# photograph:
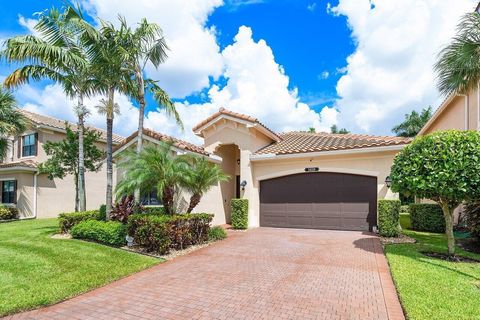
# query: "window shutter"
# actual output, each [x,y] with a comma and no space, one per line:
[15,191]
[19,150]
[36,143]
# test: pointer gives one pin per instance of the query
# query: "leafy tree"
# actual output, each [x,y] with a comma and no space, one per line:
[458,64]
[155,167]
[413,123]
[63,157]
[443,167]
[12,121]
[200,177]
[57,53]
[334,129]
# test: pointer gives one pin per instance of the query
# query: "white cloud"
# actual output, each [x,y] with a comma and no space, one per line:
[311,7]
[28,24]
[324,75]
[256,85]
[390,72]
[194,54]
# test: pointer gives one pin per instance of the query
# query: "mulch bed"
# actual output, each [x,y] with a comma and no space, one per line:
[470,245]
[446,257]
[173,253]
[397,240]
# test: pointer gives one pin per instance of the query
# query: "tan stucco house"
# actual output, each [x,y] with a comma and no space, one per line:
[293,179]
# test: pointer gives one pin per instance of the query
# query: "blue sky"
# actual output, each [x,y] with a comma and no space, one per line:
[294,64]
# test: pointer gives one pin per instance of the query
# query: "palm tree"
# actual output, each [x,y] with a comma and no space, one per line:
[12,121]
[201,176]
[57,54]
[413,123]
[458,64]
[156,167]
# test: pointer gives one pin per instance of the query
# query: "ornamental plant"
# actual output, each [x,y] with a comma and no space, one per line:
[442,166]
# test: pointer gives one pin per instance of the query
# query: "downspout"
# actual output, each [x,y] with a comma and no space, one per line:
[465,108]
[35,191]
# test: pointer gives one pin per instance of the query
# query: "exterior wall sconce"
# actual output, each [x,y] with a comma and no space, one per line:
[243,184]
[238,161]
[388,181]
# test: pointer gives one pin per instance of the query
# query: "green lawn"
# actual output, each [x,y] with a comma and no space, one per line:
[36,270]
[431,288]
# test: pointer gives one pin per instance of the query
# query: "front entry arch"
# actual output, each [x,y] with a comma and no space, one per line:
[319,200]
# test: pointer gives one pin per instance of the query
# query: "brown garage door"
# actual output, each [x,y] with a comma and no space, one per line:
[319,200]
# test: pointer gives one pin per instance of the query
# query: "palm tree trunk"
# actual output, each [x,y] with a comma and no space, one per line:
[141,116]
[76,192]
[111,93]
[167,199]
[194,201]
[82,198]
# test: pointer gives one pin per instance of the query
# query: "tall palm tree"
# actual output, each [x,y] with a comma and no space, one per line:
[144,45]
[12,121]
[458,64]
[201,176]
[155,167]
[57,54]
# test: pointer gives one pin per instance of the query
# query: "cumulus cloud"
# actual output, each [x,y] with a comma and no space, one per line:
[324,75]
[28,24]
[256,85]
[390,73]
[194,54]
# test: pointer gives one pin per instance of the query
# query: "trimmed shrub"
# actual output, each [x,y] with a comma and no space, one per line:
[102,212]
[405,209]
[154,210]
[239,212]
[68,220]
[427,217]
[216,233]
[160,233]
[388,217]
[8,213]
[108,232]
[472,214]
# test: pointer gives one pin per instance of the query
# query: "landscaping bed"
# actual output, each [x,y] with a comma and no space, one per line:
[37,270]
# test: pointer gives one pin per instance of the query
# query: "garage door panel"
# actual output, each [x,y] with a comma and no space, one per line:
[319,200]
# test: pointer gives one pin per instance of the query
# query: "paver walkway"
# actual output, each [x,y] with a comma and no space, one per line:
[259,274]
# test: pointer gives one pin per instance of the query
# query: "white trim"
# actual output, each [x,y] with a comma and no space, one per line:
[271,156]
[320,169]
[7,179]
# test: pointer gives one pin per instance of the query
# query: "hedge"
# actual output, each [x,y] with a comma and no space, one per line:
[160,233]
[68,220]
[108,232]
[239,213]
[8,213]
[405,209]
[216,233]
[427,217]
[388,217]
[472,213]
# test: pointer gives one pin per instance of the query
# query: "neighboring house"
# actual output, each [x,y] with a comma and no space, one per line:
[33,193]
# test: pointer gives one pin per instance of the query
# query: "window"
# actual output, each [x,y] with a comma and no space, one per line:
[29,145]
[8,191]
[150,199]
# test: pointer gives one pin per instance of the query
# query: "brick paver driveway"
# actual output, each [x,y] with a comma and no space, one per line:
[260,274]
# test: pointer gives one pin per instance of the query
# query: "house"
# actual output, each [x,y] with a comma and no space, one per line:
[34,194]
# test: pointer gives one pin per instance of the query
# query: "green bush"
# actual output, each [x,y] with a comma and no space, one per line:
[239,212]
[108,232]
[427,217]
[68,220]
[388,217]
[160,233]
[216,233]
[154,210]
[405,209]
[102,212]
[8,213]
[472,213]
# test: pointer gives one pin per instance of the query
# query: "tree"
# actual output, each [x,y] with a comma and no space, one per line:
[156,167]
[413,123]
[334,129]
[443,167]
[57,54]
[458,64]
[12,121]
[63,157]
[200,177]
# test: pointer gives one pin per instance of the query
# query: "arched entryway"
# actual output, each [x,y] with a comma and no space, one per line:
[319,200]
[230,154]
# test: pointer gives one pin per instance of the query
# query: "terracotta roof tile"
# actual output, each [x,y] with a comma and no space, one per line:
[181,144]
[40,119]
[302,142]
[223,111]
[22,163]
